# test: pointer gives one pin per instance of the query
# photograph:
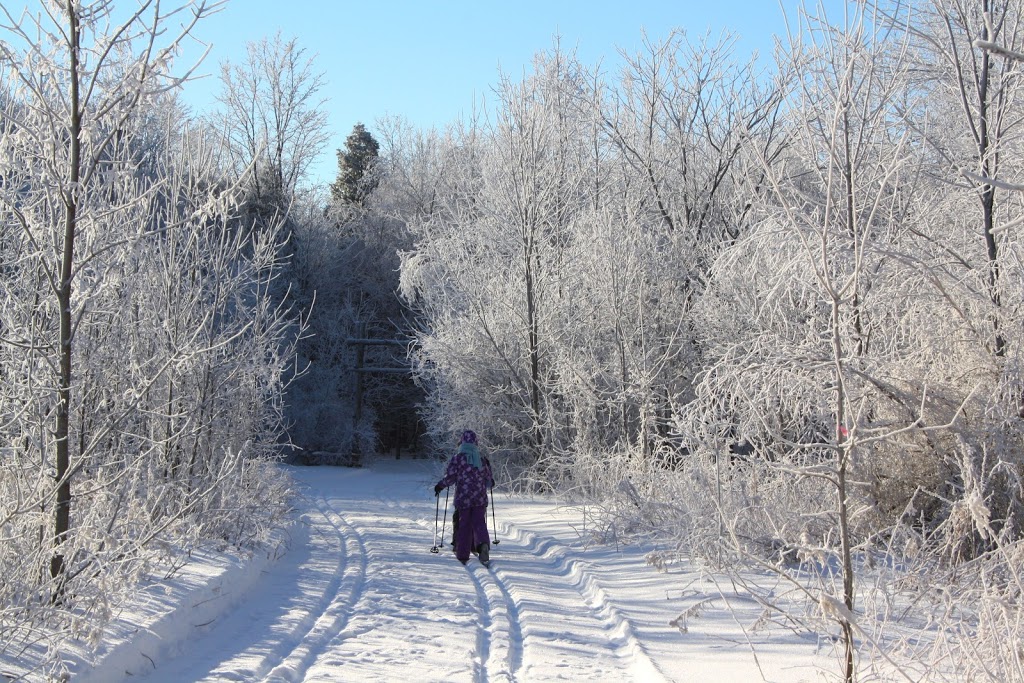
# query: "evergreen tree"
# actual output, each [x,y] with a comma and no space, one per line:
[352,185]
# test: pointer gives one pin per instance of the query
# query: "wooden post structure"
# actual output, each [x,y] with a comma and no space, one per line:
[361,342]
[357,455]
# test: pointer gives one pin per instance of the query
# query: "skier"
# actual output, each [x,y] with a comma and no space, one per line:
[471,474]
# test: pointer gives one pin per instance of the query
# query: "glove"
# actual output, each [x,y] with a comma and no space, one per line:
[437,489]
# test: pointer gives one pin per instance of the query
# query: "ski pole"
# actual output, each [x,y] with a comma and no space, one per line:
[445,517]
[494,523]
[437,508]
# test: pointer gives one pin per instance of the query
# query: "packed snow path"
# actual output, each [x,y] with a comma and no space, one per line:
[358,596]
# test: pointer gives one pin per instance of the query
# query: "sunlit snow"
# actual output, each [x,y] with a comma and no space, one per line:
[356,595]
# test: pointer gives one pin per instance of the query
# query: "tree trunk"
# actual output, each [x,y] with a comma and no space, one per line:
[843,454]
[989,191]
[534,346]
[62,508]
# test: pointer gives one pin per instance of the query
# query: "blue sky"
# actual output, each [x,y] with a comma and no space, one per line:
[428,60]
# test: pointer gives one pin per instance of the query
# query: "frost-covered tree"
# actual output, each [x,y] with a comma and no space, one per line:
[976,95]
[846,345]
[554,274]
[684,117]
[487,271]
[965,230]
[355,163]
[806,381]
[687,123]
[141,356]
[346,262]
[274,118]
[274,114]
[71,106]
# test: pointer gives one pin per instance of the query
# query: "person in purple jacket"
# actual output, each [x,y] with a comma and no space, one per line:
[471,474]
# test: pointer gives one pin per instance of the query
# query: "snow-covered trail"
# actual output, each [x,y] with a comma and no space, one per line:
[358,596]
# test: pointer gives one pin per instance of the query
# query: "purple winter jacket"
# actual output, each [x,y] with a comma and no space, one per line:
[471,482]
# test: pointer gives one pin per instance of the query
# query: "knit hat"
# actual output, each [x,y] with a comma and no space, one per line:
[469,436]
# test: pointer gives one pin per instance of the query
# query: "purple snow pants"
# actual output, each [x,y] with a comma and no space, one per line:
[472,530]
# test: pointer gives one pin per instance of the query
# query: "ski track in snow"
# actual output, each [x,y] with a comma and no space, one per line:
[358,596]
[501,647]
[519,601]
[333,614]
[318,582]
[614,630]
